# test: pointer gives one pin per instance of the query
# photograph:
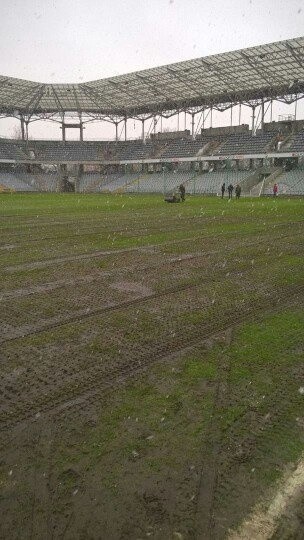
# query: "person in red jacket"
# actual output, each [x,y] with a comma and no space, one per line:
[275,190]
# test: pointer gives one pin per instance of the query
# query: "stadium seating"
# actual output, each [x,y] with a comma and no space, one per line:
[10,150]
[92,151]
[90,182]
[39,181]
[15,182]
[210,183]
[245,143]
[68,151]
[181,148]
[157,182]
[295,144]
[289,183]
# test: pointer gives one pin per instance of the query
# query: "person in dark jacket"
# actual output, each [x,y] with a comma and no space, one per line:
[238,191]
[223,188]
[230,190]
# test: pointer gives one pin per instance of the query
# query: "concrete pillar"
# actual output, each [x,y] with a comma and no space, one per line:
[192,124]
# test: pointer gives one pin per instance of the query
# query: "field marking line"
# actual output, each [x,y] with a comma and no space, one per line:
[261,524]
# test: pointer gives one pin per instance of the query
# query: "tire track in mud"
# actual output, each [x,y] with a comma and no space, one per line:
[59,321]
[85,314]
[52,262]
[240,445]
[146,248]
[101,382]
[93,278]
[208,479]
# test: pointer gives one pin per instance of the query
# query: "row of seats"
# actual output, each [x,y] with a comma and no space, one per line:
[289,183]
[210,183]
[12,151]
[296,143]
[203,183]
[244,143]
[157,182]
[90,151]
[14,182]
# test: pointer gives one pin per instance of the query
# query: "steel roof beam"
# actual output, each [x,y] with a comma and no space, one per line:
[258,69]
[294,55]
[57,100]
[94,95]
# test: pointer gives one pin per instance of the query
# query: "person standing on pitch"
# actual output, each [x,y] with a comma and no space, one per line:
[230,190]
[223,188]
[238,191]
[182,191]
[275,190]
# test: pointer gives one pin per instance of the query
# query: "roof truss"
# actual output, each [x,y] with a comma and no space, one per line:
[263,72]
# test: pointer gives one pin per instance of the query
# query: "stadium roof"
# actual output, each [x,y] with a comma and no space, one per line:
[266,71]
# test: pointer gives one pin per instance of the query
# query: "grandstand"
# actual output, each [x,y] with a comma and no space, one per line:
[296,143]
[245,143]
[289,183]
[253,77]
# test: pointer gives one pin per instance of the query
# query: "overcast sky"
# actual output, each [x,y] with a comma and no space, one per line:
[81,40]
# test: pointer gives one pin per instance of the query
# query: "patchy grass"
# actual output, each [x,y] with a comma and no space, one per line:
[132,459]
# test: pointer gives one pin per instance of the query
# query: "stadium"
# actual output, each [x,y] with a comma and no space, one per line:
[253,155]
[152,374]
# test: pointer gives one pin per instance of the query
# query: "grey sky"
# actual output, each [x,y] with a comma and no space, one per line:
[80,40]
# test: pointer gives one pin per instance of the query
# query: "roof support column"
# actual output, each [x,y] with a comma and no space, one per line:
[143,129]
[240,113]
[192,124]
[26,130]
[63,131]
[178,121]
[125,128]
[204,119]
[116,131]
[80,128]
[161,123]
[262,115]
[185,123]
[231,116]
[154,124]
[22,127]
[253,120]
[296,106]
[271,110]
[211,110]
